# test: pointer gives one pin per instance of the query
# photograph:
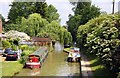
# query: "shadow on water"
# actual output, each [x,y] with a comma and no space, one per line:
[55,65]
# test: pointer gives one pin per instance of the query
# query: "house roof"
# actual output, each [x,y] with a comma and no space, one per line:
[38,39]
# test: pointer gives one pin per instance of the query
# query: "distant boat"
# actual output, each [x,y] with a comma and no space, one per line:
[36,59]
[74,55]
[66,46]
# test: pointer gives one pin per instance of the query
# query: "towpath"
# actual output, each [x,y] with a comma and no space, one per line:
[85,67]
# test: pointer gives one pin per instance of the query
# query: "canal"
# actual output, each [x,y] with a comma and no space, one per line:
[54,65]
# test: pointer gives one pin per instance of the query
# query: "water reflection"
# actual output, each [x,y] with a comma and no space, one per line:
[58,47]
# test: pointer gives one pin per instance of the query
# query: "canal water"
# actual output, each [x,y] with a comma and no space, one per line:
[54,65]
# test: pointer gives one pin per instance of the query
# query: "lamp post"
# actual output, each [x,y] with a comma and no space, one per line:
[113,7]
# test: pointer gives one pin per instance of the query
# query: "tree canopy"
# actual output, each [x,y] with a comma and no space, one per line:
[52,14]
[24,9]
[83,12]
[35,25]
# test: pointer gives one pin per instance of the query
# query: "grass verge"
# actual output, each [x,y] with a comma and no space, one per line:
[67,49]
[10,68]
[99,70]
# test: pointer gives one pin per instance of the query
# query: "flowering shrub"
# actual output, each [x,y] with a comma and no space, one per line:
[17,35]
[101,36]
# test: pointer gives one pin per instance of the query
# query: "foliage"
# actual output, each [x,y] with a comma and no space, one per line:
[54,31]
[12,26]
[118,75]
[52,14]
[99,70]
[35,25]
[73,24]
[24,9]
[6,44]
[101,37]
[27,50]
[83,12]
[24,47]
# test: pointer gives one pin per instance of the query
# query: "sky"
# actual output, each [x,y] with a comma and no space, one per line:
[63,7]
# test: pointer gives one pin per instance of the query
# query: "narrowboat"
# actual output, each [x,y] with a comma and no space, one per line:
[66,46]
[36,59]
[74,55]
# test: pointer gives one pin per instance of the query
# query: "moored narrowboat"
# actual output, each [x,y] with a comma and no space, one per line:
[36,59]
[74,55]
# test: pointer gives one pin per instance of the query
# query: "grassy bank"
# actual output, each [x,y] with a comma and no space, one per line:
[66,49]
[99,70]
[9,68]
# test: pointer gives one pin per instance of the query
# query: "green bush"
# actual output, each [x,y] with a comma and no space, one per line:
[6,44]
[24,47]
[118,75]
[101,36]
[14,47]
[22,60]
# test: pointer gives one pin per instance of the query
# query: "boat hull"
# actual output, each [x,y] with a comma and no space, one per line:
[33,65]
[70,59]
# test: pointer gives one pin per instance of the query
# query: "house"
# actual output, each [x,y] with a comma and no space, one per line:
[41,41]
[37,41]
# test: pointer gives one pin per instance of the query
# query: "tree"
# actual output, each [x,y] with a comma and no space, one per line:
[83,12]
[54,31]
[41,8]
[19,10]
[33,25]
[24,9]
[52,14]
[101,37]
[73,24]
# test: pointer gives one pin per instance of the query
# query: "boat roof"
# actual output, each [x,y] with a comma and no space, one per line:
[39,52]
[75,48]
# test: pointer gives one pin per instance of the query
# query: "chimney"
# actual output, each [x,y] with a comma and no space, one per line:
[0,25]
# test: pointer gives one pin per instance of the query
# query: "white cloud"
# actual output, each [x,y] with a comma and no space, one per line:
[7,1]
[106,5]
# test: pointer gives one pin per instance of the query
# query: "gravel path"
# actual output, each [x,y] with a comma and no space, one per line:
[85,67]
